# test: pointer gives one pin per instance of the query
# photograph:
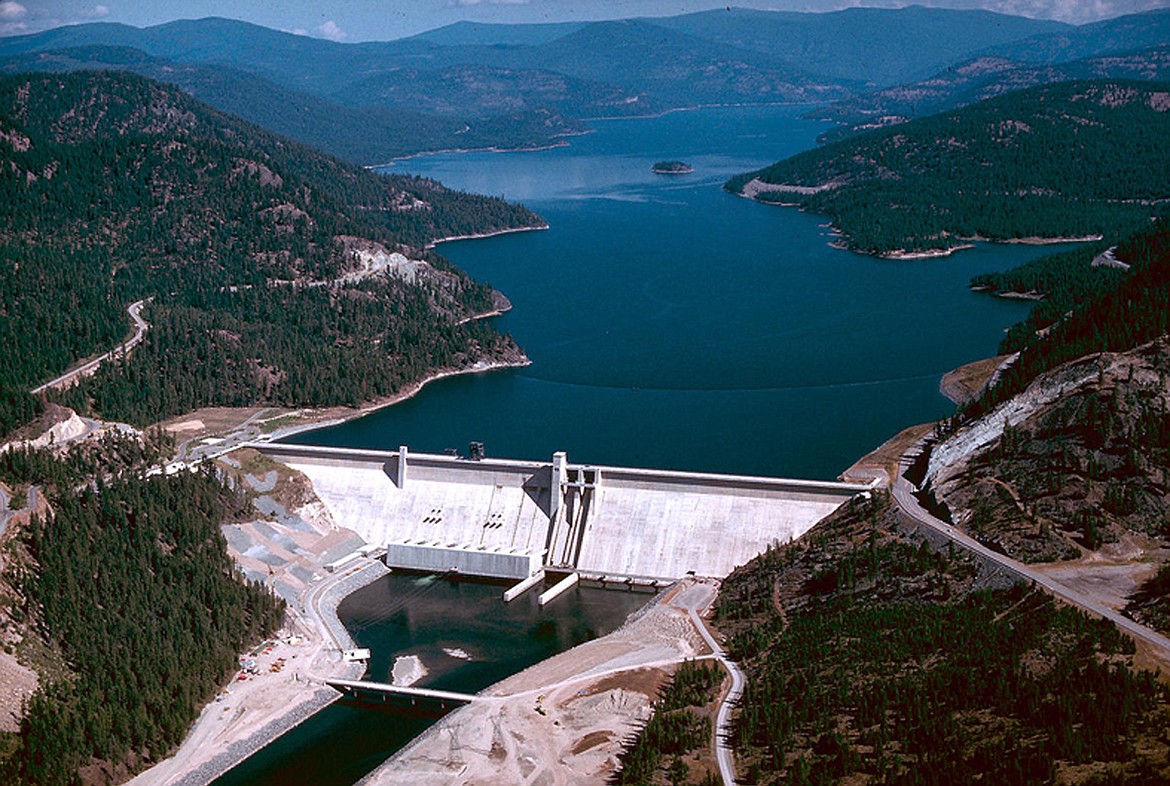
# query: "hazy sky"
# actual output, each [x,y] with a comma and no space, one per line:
[370,20]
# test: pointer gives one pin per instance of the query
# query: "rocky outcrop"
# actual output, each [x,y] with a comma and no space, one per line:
[1079,459]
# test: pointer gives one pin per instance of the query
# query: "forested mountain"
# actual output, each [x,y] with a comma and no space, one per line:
[360,134]
[873,655]
[1072,159]
[487,34]
[1119,34]
[1066,456]
[527,85]
[114,188]
[881,46]
[139,611]
[980,79]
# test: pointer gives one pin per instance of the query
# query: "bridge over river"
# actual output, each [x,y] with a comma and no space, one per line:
[443,699]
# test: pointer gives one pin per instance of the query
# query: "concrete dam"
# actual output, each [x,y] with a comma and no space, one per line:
[514,519]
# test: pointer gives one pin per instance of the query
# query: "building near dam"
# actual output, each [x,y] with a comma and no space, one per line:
[515,519]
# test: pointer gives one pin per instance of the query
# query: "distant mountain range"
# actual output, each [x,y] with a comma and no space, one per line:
[475,86]
[1131,47]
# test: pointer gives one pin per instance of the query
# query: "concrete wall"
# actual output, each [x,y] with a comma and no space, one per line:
[626,523]
[478,562]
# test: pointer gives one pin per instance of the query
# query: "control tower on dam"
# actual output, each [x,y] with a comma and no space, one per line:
[513,519]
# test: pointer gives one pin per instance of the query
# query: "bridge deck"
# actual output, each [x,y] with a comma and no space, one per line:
[400,690]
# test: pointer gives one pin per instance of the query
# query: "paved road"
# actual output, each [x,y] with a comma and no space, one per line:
[903,493]
[694,600]
[140,328]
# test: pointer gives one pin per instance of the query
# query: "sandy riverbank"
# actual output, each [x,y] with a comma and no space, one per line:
[481,235]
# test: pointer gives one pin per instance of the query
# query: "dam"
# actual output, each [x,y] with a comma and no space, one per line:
[510,519]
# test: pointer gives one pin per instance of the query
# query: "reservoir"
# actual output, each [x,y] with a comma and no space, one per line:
[672,325]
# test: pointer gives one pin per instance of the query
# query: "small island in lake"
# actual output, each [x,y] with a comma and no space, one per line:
[672,168]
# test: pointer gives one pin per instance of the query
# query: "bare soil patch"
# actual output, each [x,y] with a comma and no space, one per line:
[966,382]
[882,462]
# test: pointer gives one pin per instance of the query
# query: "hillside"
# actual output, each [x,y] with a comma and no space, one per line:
[258,253]
[516,86]
[979,79]
[879,46]
[1067,455]
[875,655]
[359,134]
[125,600]
[1119,34]
[988,171]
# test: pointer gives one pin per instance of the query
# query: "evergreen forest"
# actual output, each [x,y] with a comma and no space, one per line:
[1067,160]
[874,656]
[115,188]
[128,585]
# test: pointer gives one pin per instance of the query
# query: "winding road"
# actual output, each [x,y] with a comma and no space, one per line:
[140,328]
[699,597]
[903,494]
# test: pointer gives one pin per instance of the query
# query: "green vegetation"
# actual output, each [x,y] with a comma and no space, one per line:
[983,78]
[114,188]
[1150,604]
[872,655]
[680,724]
[1117,318]
[114,452]
[987,171]
[1064,281]
[671,168]
[362,133]
[130,581]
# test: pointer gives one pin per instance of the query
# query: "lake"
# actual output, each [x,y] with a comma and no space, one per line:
[670,325]
[673,325]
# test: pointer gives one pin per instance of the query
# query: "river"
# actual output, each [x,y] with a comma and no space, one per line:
[466,638]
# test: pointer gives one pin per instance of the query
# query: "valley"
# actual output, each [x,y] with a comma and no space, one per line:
[186,278]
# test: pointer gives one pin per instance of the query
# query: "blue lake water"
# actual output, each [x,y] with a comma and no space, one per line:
[673,325]
[670,325]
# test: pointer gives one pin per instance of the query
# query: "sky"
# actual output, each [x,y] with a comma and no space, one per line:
[382,20]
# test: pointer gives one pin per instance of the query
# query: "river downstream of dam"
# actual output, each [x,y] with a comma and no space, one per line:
[465,638]
[671,325]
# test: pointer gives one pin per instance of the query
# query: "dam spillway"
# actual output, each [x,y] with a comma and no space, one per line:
[503,518]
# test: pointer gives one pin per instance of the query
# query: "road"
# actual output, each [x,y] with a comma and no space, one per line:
[694,600]
[140,328]
[903,494]
[210,729]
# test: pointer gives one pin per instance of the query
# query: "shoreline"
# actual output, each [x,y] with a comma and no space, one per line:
[566,135]
[562,142]
[696,108]
[194,766]
[900,254]
[480,236]
[407,393]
